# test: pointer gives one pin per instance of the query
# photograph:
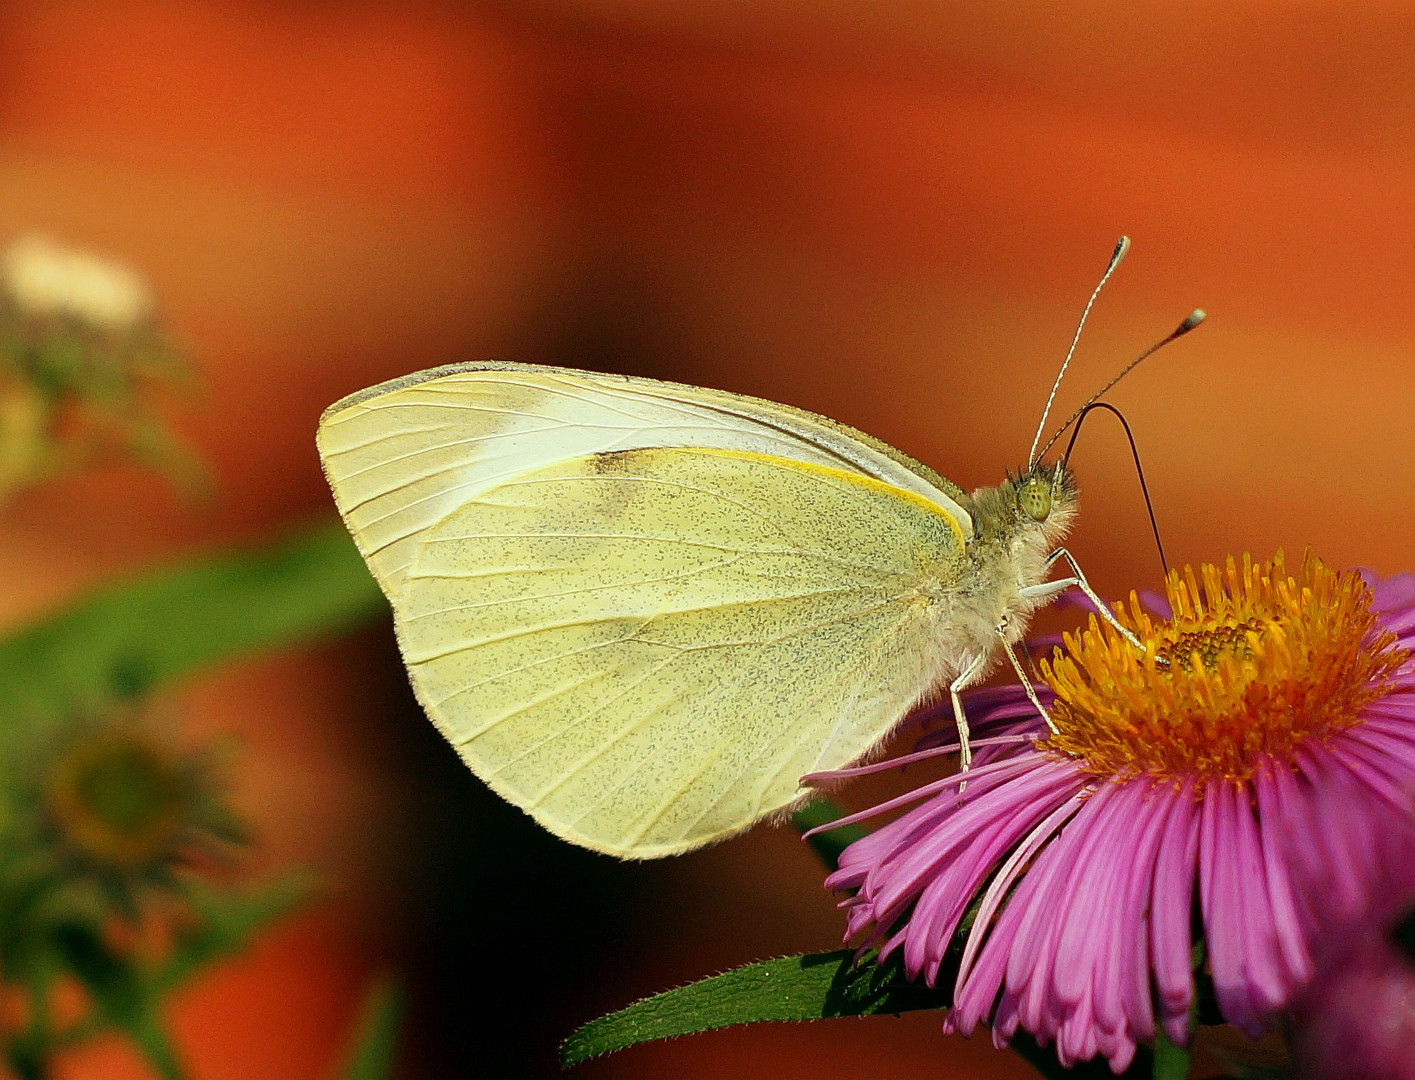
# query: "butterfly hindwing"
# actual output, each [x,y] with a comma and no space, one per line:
[646,649]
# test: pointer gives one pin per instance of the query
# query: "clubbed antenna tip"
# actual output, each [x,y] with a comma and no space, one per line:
[1196,316]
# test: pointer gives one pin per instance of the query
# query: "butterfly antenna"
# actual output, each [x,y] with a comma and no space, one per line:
[1086,411]
[1121,247]
[1193,319]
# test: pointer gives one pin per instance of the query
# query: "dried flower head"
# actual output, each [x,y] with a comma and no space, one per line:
[109,834]
[114,800]
[120,799]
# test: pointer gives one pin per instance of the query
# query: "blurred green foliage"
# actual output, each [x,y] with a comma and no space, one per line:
[112,844]
[375,1044]
[131,636]
[116,848]
[828,844]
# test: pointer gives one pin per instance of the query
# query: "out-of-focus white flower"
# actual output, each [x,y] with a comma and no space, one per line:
[43,278]
[82,352]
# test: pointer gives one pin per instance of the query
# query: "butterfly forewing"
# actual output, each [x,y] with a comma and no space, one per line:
[647,649]
[402,456]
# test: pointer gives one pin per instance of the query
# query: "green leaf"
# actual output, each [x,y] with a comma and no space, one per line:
[816,986]
[227,921]
[374,1048]
[826,845]
[170,621]
[811,987]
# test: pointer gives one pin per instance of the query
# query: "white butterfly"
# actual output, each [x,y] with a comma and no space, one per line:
[641,611]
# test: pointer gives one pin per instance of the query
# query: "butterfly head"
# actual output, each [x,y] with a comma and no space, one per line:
[1046,500]
[1034,508]
[1045,493]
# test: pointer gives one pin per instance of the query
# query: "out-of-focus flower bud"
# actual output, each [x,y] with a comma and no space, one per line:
[45,279]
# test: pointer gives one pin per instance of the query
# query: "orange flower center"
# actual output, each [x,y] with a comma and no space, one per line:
[1253,664]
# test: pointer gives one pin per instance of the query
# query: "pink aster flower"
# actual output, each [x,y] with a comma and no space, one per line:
[1357,1021]
[1356,1018]
[1239,775]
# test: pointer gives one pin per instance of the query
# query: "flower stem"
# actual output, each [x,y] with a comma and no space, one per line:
[1171,1062]
[1043,1059]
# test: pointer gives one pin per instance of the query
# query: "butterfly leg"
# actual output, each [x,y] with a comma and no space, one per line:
[1024,678]
[966,679]
[1078,579]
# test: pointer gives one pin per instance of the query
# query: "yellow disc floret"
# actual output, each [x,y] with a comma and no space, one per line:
[1254,662]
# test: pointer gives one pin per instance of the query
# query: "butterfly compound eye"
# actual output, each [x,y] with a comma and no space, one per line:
[1034,497]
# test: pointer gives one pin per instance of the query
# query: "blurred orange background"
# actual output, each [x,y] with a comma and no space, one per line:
[890,212]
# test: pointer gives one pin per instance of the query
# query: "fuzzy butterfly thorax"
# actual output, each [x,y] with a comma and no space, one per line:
[1016,525]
